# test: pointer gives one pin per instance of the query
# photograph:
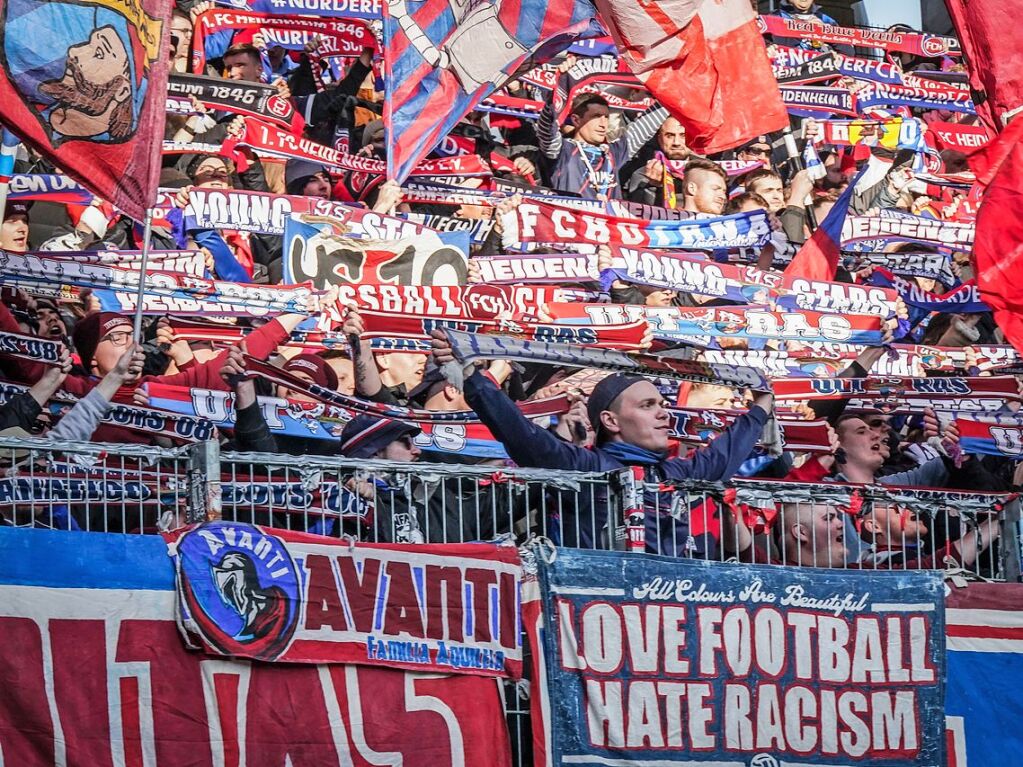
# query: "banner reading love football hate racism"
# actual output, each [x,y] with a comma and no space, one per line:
[644,659]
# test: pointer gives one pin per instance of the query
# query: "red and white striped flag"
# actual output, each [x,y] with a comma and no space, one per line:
[705,61]
[984,672]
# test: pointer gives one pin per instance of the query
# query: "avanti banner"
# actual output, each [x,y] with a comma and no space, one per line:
[275,595]
[95,673]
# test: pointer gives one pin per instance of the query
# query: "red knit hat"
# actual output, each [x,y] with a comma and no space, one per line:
[89,331]
[316,368]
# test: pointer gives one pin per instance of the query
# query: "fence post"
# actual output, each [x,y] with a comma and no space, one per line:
[1011,541]
[634,509]
[204,493]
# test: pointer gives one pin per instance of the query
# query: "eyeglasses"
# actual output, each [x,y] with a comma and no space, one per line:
[758,150]
[117,337]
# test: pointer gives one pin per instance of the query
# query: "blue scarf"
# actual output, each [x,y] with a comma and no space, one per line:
[631,454]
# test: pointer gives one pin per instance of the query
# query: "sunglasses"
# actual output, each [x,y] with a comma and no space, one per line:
[758,151]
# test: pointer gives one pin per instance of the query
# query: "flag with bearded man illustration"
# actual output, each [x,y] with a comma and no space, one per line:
[84,83]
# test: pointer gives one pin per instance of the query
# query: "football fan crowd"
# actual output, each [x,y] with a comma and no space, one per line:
[574,149]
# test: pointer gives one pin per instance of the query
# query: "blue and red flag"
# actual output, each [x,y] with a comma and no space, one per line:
[984,647]
[442,58]
[818,258]
[85,85]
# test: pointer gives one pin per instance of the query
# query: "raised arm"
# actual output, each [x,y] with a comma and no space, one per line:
[642,129]
[251,432]
[525,442]
[367,375]
[718,461]
[548,131]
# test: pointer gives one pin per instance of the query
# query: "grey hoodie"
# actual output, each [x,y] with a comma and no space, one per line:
[81,420]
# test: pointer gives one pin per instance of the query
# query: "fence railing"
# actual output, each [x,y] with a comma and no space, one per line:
[126,488]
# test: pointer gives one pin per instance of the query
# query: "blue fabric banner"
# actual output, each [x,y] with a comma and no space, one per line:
[656,660]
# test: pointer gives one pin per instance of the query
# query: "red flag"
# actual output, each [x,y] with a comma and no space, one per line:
[998,247]
[989,35]
[705,61]
[85,85]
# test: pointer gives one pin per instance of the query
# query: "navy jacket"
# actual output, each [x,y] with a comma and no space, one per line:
[585,514]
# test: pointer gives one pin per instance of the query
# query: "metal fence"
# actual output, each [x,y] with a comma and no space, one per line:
[381,501]
[831,525]
[132,489]
[95,487]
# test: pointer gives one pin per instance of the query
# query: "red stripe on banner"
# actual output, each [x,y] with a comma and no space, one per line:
[27,727]
[432,117]
[131,726]
[509,13]
[983,632]
[661,19]
[80,686]
[410,85]
[986,596]
[226,687]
